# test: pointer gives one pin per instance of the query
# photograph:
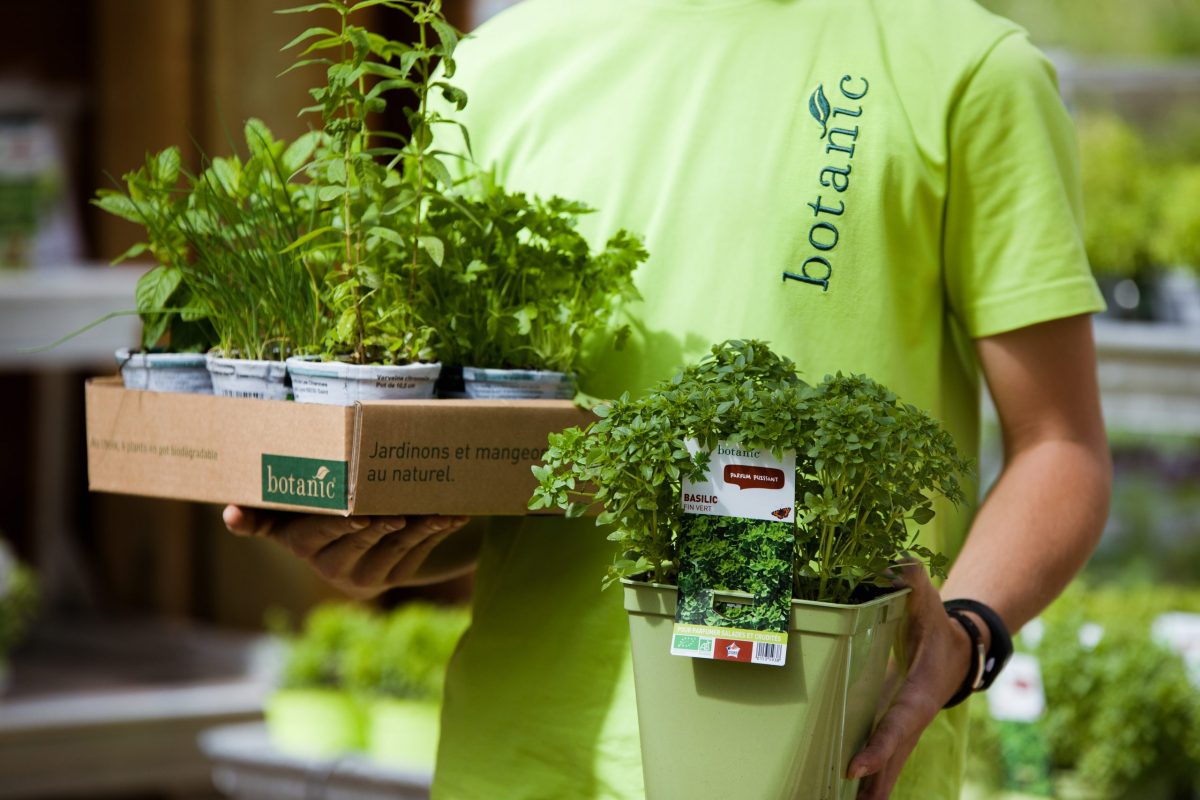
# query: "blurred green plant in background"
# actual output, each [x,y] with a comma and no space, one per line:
[1111,27]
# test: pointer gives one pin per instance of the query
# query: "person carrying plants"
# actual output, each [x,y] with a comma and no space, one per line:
[873,187]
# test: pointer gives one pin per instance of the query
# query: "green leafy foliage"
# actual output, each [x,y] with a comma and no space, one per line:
[317,656]
[1140,200]
[18,600]
[375,188]
[407,656]
[1124,711]
[517,286]
[868,467]
[1121,713]
[221,238]
[400,654]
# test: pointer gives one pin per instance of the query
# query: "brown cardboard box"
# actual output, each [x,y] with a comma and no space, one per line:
[399,457]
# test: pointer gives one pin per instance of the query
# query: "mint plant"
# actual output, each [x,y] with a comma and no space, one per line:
[222,238]
[520,288]
[868,468]
[373,214]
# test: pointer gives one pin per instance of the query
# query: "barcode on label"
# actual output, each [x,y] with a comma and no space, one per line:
[255,395]
[765,653]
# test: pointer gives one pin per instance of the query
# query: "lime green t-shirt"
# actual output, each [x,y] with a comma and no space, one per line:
[866,184]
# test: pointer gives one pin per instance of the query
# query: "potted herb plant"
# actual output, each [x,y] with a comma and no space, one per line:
[223,236]
[313,714]
[867,470]
[150,200]
[520,290]
[398,674]
[375,189]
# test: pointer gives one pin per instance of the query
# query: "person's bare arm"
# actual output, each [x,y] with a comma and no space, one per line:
[363,556]
[1036,529]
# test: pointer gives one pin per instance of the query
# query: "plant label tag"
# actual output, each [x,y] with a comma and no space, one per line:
[1017,701]
[1180,631]
[735,551]
[750,483]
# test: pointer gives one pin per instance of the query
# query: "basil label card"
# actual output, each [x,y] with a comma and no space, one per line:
[736,546]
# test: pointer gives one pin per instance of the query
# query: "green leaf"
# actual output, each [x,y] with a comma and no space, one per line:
[306,35]
[156,287]
[387,234]
[167,164]
[133,252]
[434,247]
[118,204]
[308,237]
[327,194]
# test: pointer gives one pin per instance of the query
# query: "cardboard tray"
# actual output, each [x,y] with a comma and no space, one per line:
[468,457]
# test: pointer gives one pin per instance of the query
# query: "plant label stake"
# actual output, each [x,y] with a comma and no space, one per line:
[738,536]
[1017,702]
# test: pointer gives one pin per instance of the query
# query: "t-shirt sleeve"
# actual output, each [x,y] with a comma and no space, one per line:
[1013,246]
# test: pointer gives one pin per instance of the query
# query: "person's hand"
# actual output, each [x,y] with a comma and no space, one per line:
[939,654]
[360,556]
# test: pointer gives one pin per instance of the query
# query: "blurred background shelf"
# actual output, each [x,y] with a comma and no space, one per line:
[246,766]
[97,709]
[39,306]
[1149,377]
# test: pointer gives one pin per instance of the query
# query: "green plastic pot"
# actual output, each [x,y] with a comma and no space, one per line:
[403,733]
[725,729]
[315,723]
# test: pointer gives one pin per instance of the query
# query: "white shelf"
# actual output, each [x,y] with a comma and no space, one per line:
[1149,377]
[39,306]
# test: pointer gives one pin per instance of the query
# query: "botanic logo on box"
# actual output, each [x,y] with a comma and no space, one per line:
[298,481]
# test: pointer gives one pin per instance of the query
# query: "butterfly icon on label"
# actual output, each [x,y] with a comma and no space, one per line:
[782,513]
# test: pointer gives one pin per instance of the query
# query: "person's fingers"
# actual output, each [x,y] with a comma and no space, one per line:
[246,522]
[375,565]
[336,553]
[407,566]
[908,716]
[879,786]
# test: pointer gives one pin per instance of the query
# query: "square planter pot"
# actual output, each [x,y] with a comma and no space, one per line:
[315,723]
[722,729]
[403,733]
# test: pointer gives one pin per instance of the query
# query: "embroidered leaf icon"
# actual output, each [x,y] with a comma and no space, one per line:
[819,107]
[322,472]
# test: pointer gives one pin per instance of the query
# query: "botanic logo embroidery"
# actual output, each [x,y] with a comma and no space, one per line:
[820,109]
[840,144]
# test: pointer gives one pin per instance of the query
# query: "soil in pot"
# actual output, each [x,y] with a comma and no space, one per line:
[342,384]
[243,377]
[721,729]
[517,384]
[164,372]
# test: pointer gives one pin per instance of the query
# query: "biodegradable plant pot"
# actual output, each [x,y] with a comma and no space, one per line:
[315,723]
[722,729]
[517,384]
[164,372]
[340,384]
[243,377]
[403,733]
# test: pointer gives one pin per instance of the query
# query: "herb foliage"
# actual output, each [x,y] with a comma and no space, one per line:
[520,287]
[868,467]
[221,237]
[375,188]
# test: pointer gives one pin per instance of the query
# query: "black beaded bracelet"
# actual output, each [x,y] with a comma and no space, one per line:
[1001,648]
[974,677]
